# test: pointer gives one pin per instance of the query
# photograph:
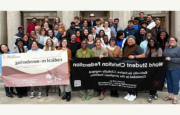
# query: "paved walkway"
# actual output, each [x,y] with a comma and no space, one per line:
[53,98]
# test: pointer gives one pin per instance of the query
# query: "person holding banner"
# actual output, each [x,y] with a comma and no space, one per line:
[132,51]
[35,48]
[114,51]
[5,50]
[49,45]
[22,91]
[85,52]
[153,50]
[100,52]
[172,54]
[66,88]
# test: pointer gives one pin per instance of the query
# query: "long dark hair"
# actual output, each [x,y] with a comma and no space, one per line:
[119,33]
[55,20]
[156,45]
[83,36]
[1,49]
[159,38]
[80,35]
[100,32]
[27,37]
[52,32]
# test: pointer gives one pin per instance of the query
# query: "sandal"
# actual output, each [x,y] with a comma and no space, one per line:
[9,95]
[167,98]
[174,101]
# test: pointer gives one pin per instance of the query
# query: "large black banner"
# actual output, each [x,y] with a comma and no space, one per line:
[118,73]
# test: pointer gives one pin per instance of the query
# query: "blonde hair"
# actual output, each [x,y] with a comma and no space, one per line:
[52,45]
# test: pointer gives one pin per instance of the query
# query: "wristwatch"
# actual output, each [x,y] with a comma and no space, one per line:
[134,56]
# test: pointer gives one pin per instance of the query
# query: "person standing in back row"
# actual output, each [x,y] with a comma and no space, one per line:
[31,27]
[92,22]
[115,28]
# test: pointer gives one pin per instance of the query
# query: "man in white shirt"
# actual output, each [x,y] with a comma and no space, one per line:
[151,23]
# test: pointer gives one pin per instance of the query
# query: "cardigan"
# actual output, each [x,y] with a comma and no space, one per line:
[89,53]
[114,53]
[155,53]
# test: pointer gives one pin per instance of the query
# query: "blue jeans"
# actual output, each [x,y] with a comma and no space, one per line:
[172,77]
[7,89]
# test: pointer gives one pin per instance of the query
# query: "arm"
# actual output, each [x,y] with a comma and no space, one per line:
[105,53]
[176,59]
[160,52]
[120,52]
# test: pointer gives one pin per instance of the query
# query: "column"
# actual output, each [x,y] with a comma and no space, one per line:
[123,16]
[13,21]
[3,27]
[67,18]
[177,26]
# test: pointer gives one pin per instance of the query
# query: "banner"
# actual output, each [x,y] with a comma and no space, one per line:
[35,69]
[118,73]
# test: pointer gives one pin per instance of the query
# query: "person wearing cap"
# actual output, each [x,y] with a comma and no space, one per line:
[98,26]
[31,26]
[46,19]
[155,31]
[115,28]
[130,30]
[136,21]
[92,22]
[71,31]
[132,51]
[151,23]
[20,34]
[22,91]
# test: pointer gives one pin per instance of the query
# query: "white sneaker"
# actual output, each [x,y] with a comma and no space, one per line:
[165,85]
[132,98]
[127,96]
[32,95]
[40,95]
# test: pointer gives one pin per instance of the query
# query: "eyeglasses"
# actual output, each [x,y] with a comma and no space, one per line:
[171,40]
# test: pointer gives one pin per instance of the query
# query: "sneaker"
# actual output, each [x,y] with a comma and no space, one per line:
[127,96]
[88,98]
[9,95]
[132,98]
[155,96]
[83,98]
[32,95]
[40,95]
[165,85]
[13,93]
[150,98]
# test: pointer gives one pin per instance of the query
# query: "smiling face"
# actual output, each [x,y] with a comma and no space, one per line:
[105,39]
[106,24]
[85,32]
[78,34]
[64,43]
[49,42]
[162,36]
[113,42]
[25,38]
[20,44]
[90,38]
[151,43]
[85,24]
[142,31]
[21,30]
[73,37]
[148,36]
[84,45]
[50,33]
[172,41]
[33,33]
[34,46]
[131,41]
[101,33]
[57,20]
[4,48]
[98,44]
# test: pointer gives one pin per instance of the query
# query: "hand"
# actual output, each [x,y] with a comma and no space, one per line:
[168,58]
[101,56]
[131,57]
[85,57]
[0,76]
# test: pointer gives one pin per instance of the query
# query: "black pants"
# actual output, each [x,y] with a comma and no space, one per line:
[132,93]
[151,92]
[21,90]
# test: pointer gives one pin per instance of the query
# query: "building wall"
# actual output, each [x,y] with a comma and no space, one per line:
[3,27]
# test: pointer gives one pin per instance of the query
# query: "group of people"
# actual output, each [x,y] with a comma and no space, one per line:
[98,38]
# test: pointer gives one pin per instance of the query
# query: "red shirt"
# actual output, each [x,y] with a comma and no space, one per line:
[78,40]
[30,28]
